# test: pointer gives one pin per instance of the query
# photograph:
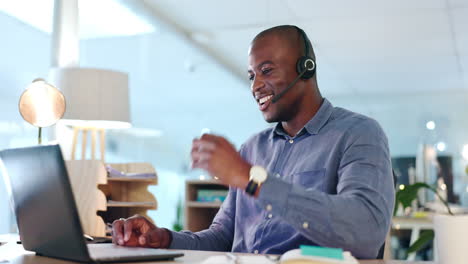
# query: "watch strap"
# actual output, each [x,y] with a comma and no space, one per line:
[251,188]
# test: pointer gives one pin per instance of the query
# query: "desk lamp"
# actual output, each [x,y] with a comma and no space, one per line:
[41,105]
[97,100]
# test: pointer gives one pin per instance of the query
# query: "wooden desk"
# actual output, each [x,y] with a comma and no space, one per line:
[415,224]
[15,254]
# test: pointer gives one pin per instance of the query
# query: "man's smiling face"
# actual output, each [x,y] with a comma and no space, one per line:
[272,66]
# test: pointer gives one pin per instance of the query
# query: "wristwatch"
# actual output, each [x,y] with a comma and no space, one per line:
[258,175]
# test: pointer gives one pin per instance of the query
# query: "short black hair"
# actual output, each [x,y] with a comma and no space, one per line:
[293,34]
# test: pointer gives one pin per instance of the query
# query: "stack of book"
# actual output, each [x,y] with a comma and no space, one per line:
[211,196]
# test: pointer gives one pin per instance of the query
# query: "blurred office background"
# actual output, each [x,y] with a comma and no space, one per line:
[404,63]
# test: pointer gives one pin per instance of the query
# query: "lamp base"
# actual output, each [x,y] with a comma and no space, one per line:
[84,141]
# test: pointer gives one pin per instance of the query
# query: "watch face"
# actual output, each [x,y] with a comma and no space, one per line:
[258,174]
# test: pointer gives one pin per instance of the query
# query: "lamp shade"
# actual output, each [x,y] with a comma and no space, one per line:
[95,97]
[42,104]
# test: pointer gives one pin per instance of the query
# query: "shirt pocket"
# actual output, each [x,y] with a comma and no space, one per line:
[313,179]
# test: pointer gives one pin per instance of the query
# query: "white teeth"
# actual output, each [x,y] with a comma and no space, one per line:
[264,99]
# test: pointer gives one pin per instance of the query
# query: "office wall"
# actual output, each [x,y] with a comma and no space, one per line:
[24,56]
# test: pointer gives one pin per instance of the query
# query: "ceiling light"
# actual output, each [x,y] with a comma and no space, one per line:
[441,146]
[38,14]
[430,125]
[96,19]
[465,152]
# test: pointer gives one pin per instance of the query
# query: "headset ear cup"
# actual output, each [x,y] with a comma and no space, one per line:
[301,65]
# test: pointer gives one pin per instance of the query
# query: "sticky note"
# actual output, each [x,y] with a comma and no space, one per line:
[334,253]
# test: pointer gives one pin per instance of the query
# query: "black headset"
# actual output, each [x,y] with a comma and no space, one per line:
[305,63]
[305,66]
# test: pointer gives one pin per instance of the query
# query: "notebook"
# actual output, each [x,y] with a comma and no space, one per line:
[295,256]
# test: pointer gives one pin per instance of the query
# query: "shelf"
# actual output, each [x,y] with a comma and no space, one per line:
[131,204]
[194,204]
[199,215]
[201,182]
[132,179]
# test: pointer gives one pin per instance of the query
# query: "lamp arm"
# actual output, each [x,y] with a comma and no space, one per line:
[39,136]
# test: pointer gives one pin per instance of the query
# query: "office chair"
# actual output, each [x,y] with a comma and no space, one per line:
[380,255]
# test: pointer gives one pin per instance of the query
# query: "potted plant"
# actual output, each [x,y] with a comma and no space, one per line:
[405,198]
[178,225]
[450,230]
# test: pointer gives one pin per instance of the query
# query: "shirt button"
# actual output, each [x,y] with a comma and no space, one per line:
[305,225]
[255,251]
[269,207]
[270,216]
[291,141]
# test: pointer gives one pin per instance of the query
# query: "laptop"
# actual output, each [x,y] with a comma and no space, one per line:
[46,212]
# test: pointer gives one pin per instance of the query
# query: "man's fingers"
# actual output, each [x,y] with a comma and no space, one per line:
[133,224]
[201,165]
[129,225]
[127,230]
[200,156]
[203,145]
[151,239]
[211,138]
[142,240]
[117,232]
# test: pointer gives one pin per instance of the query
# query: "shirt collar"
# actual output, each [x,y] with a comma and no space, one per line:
[315,124]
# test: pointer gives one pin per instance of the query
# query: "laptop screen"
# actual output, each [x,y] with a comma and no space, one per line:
[43,201]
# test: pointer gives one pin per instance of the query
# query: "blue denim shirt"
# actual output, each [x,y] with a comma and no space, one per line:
[330,185]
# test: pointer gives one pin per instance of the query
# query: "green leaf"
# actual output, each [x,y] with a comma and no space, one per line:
[177,227]
[409,194]
[425,237]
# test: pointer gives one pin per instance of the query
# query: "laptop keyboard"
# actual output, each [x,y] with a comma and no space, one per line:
[111,252]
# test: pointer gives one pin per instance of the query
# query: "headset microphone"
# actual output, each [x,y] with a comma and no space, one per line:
[278,96]
[305,66]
